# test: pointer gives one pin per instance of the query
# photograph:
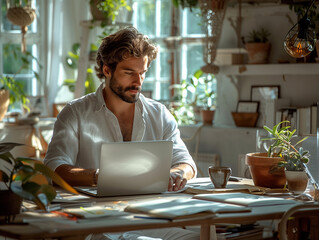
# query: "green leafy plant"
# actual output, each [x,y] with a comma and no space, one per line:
[29,177]
[9,81]
[193,93]
[258,36]
[110,8]
[186,3]
[282,145]
[72,62]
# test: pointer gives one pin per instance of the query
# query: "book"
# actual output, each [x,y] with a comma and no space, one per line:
[253,233]
[182,208]
[314,117]
[303,120]
[271,107]
[94,212]
[244,199]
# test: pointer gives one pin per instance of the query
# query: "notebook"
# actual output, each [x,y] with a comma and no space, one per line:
[131,168]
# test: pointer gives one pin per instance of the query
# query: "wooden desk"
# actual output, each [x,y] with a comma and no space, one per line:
[78,230]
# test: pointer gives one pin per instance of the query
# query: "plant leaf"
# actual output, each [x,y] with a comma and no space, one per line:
[39,166]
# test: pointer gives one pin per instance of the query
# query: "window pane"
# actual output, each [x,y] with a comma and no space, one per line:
[14,62]
[191,22]
[144,16]
[165,17]
[192,59]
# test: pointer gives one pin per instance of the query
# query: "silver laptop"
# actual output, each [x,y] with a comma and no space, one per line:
[130,168]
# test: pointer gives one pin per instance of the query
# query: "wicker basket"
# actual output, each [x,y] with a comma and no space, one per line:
[245,119]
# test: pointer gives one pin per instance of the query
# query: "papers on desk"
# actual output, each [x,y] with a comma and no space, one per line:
[244,199]
[182,208]
[231,187]
[94,212]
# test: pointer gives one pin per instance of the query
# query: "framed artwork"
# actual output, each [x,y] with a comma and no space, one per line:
[39,105]
[247,106]
[262,93]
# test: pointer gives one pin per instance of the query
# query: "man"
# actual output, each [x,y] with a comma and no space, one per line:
[116,112]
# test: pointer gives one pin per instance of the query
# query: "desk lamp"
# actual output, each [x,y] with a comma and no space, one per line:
[301,38]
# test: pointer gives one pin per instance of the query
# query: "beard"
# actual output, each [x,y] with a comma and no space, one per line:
[123,93]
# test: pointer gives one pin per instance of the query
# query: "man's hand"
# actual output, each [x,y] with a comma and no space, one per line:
[180,173]
[176,181]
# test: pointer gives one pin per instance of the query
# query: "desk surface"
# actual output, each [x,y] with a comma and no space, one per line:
[68,229]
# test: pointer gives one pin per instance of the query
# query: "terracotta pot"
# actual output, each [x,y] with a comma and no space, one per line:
[4,103]
[97,14]
[264,170]
[258,53]
[10,203]
[297,181]
[207,116]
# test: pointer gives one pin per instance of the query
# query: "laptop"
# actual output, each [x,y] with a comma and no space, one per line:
[131,168]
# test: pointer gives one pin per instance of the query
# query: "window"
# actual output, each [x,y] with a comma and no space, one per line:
[178,35]
[13,59]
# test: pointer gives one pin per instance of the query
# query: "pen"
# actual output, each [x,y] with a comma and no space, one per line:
[66,215]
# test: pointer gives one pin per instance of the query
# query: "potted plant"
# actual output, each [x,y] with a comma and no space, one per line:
[208,100]
[107,10]
[258,46]
[11,90]
[25,178]
[294,159]
[72,62]
[268,169]
[192,95]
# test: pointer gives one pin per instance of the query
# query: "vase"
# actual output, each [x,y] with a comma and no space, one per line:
[4,103]
[297,181]
[264,170]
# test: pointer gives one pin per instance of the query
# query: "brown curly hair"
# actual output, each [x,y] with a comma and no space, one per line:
[125,43]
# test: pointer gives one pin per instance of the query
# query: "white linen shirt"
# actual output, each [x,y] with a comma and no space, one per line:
[85,123]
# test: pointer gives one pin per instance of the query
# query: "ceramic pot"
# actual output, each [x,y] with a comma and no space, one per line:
[264,170]
[207,116]
[258,53]
[4,103]
[297,181]
[10,203]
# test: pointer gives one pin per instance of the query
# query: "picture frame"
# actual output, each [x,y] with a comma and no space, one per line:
[264,92]
[39,105]
[247,106]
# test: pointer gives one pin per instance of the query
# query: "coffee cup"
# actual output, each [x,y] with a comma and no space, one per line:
[219,175]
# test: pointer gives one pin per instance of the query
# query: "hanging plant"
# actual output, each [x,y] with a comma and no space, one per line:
[21,16]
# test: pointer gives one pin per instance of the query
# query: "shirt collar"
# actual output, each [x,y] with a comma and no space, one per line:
[100,99]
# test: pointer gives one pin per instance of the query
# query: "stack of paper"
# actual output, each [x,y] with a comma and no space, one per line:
[183,208]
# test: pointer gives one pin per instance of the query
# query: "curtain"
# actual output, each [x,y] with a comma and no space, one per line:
[62,29]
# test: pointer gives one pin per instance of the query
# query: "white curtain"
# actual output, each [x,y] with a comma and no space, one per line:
[62,29]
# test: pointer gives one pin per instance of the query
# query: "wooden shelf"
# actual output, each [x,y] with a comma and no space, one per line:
[270,69]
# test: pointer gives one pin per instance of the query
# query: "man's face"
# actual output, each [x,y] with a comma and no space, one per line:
[127,79]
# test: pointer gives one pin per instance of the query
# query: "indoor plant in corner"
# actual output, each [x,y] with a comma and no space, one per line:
[268,169]
[257,46]
[25,178]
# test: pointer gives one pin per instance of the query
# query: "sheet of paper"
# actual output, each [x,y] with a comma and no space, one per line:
[244,199]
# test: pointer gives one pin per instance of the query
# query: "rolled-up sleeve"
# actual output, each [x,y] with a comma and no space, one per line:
[63,147]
